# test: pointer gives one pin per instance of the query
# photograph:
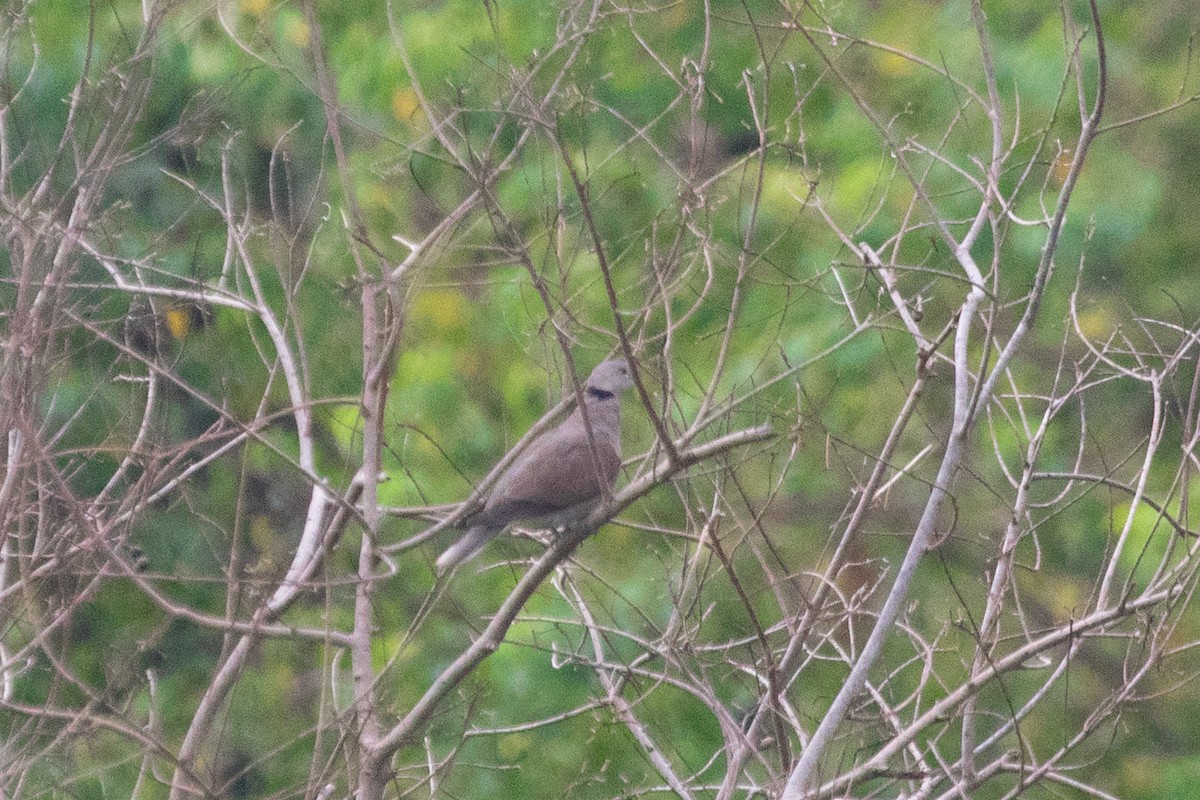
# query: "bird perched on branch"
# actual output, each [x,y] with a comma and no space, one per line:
[562,475]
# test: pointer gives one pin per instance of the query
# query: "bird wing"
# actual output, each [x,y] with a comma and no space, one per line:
[554,474]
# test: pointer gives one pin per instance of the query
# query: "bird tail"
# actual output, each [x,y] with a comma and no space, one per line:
[468,545]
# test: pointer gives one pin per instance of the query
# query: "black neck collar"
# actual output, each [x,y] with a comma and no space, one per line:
[599,394]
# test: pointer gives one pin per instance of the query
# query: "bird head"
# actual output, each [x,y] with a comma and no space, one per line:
[611,376]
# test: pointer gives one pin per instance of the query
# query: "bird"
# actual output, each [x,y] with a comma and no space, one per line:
[558,479]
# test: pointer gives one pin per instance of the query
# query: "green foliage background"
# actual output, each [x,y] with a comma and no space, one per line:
[479,363]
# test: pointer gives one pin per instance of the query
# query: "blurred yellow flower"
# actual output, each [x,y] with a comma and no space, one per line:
[179,321]
[894,65]
[295,30]
[443,309]
[1096,322]
[405,104]
[255,7]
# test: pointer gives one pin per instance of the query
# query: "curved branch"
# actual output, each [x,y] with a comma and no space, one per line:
[415,721]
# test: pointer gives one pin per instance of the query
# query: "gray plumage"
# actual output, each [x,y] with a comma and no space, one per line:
[555,481]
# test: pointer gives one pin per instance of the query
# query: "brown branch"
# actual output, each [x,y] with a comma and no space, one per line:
[418,717]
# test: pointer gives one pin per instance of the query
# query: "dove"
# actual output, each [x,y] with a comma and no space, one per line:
[559,478]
